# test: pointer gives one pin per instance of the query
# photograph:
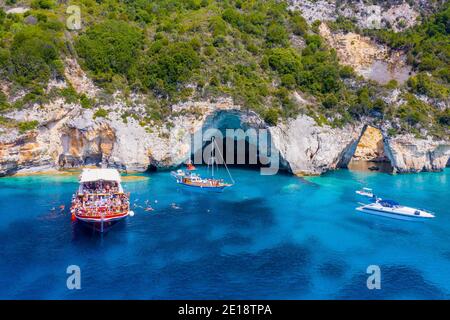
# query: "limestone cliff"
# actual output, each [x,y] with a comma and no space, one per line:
[369,59]
[395,14]
[410,154]
[311,149]
[70,136]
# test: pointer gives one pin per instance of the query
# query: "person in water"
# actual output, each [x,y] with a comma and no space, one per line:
[174,206]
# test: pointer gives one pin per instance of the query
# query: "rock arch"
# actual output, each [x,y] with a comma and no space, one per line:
[239,136]
[370,152]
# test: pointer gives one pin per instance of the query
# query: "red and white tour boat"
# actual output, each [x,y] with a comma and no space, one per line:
[100,200]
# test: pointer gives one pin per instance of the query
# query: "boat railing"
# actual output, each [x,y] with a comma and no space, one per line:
[105,212]
[84,194]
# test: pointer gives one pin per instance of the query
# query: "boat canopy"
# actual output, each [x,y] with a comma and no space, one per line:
[88,175]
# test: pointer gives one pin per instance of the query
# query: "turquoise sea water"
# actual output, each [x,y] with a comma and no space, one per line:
[268,237]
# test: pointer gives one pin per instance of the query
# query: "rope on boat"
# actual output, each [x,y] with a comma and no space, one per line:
[224,162]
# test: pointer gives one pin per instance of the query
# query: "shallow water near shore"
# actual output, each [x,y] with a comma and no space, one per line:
[267,237]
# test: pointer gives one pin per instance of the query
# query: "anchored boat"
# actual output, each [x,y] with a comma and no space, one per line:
[392,209]
[100,200]
[365,192]
[194,181]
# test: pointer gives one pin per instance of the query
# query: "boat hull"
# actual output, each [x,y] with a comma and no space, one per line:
[392,215]
[213,189]
[100,224]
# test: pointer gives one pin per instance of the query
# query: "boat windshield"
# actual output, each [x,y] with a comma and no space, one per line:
[389,203]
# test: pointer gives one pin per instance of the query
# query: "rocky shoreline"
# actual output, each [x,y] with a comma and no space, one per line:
[70,137]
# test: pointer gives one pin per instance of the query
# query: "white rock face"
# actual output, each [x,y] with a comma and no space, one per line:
[393,14]
[69,136]
[396,16]
[315,10]
[78,78]
[17,10]
[409,154]
[311,149]
[370,59]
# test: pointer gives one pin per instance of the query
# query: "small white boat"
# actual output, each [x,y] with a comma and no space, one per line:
[392,209]
[365,192]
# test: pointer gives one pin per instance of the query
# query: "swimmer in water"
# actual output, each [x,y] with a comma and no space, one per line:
[174,206]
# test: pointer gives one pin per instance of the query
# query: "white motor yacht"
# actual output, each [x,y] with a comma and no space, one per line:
[392,209]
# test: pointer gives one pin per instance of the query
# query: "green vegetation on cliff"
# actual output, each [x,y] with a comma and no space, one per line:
[428,48]
[257,52]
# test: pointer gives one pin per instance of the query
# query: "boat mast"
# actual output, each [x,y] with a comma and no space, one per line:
[212,156]
[224,162]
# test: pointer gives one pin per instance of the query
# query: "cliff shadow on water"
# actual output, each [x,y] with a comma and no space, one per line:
[242,140]
[369,153]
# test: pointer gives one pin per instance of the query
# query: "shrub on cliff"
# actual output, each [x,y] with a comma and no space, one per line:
[43,4]
[165,68]
[276,35]
[34,56]
[427,44]
[271,116]
[101,113]
[415,112]
[444,118]
[110,47]
[298,24]
[423,84]
[284,61]
[27,126]
[4,105]
[2,16]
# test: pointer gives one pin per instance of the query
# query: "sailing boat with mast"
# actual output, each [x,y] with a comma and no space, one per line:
[195,181]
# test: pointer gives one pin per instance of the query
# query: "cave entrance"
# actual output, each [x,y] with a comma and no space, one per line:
[239,142]
[370,153]
[228,148]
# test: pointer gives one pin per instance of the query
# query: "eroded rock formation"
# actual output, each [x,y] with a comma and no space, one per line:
[369,59]
[410,154]
[71,137]
[371,146]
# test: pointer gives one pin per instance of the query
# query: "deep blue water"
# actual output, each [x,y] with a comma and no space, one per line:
[268,237]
